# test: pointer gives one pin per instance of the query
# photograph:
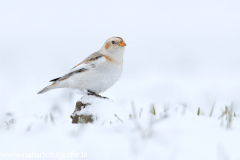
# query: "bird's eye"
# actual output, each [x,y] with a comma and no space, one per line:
[113,42]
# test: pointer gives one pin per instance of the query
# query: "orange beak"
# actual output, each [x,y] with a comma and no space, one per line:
[123,44]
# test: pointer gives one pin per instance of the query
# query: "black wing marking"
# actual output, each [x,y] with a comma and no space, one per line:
[53,80]
[68,75]
[95,57]
[71,73]
[90,58]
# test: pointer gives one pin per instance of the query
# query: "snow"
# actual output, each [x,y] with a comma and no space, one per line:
[176,133]
[180,56]
[103,110]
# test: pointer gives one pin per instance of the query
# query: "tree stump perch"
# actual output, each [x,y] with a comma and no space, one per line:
[98,110]
[80,118]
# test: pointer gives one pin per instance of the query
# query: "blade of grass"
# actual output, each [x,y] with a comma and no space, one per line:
[52,119]
[134,111]
[198,112]
[225,112]
[153,111]
[212,110]
[229,117]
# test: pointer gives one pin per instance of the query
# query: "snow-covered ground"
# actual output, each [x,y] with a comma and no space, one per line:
[180,56]
[170,133]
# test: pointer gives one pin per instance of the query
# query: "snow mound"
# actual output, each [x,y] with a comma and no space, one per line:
[103,111]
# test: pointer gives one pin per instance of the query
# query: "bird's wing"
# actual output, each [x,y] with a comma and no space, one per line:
[89,60]
[86,65]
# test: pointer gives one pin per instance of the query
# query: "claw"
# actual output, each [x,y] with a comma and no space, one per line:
[95,94]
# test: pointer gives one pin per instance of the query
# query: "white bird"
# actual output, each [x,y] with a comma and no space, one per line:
[97,73]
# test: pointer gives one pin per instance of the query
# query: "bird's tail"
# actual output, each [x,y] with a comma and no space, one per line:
[48,88]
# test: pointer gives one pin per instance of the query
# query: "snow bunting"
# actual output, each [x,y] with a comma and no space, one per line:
[96,73]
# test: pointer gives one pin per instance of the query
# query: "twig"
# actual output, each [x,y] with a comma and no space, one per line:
[103,122]
[118,118]
[29,127]
[130,116]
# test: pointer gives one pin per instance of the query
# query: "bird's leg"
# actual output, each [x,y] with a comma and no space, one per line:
[95,94]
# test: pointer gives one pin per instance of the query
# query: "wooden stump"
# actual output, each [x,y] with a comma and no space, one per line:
[76,118]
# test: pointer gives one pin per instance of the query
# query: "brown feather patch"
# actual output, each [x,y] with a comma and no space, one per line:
[107,46]
[108,58]
[78,65]
[92,57]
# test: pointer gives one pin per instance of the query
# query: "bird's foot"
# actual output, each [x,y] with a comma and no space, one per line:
[95,94]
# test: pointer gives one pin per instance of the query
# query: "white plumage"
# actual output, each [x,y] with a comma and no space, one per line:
[96,73]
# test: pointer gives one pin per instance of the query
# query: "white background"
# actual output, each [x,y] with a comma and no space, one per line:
[178,52]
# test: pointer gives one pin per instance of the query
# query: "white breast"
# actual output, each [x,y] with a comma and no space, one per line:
[109,74]
[98,79]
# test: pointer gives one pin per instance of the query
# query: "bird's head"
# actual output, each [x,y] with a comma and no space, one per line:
[113,47]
